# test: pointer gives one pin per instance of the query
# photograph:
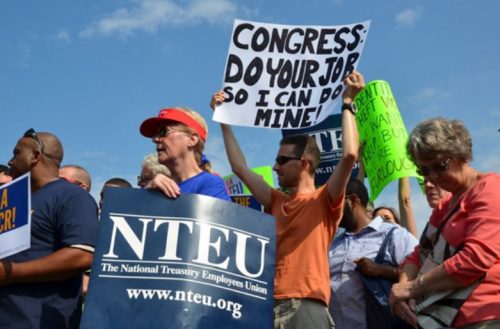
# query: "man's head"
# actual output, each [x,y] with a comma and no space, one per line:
[356,201]
[76,174]
[298,154]
[40,153]
[4,175]
[113,182]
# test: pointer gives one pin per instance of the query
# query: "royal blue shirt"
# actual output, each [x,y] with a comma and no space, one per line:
[206,184]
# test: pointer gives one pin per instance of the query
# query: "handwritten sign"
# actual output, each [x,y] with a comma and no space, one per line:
[287,77]
[382,129]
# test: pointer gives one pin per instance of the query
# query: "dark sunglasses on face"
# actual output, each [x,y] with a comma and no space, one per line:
[31,133]
[165,131]
[282,159]
[437,168]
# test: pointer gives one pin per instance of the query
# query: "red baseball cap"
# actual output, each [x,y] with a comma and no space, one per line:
[149,127]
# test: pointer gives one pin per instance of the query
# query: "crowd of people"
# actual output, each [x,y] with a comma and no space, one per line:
[450,278]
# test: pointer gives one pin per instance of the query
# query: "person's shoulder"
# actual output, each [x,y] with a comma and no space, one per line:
[66,191]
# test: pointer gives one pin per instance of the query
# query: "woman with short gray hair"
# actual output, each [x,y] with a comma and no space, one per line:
[452,278]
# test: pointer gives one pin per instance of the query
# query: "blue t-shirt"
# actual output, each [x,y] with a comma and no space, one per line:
[206,184]
[63,214]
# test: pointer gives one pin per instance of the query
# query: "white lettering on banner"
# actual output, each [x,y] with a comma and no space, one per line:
[328,140]
[209,250]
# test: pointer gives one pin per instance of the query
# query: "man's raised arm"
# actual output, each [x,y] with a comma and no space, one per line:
[255,183]
[337,182]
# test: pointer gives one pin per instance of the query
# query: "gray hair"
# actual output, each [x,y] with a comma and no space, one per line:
[440,137]
[151,161]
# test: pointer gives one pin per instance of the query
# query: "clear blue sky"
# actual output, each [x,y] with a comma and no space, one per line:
[91,71]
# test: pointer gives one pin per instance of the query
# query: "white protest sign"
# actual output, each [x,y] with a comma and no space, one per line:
[287,77]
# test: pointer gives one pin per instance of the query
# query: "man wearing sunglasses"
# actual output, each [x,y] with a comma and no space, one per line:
[41,286]
[306,217]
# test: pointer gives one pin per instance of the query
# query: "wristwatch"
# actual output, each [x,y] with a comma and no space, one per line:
[351,107]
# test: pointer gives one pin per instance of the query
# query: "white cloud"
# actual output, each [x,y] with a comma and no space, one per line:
[150,15]
[408,17]
[63,35]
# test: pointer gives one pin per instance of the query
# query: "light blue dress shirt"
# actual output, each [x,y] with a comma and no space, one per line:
[347,302]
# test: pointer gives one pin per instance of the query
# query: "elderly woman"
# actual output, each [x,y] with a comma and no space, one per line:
[150,167]
[452,279]
[180,135]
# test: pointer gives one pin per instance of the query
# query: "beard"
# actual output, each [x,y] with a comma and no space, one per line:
[347,220]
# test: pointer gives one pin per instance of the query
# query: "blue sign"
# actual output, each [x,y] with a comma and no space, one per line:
[328,136]
[193,262]
[15,216]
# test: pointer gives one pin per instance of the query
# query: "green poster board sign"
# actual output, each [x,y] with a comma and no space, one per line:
[382,130]
[236,187]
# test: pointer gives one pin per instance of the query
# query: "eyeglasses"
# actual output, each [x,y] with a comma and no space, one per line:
[164,132]
[31,133]
[437,168]
[282,159]
[143,179]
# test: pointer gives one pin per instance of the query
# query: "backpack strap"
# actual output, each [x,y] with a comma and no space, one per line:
[383,247]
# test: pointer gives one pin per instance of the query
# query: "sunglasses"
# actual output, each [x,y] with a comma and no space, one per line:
[437,168]
[282,159]
[164,132]
[31,133]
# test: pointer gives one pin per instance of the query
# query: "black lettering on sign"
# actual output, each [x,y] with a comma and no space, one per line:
[295,74]
[240,97]
[284,118]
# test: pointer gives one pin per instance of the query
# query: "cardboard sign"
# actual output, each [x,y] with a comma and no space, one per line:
[383,131]
[328,136]
[287,77]
[15,219]
[192,262]
[240,193]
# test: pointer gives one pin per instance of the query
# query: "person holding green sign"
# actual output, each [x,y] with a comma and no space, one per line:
[306,217]
[453,277]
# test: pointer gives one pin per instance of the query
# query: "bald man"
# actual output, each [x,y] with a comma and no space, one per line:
[41,287]
[77,175]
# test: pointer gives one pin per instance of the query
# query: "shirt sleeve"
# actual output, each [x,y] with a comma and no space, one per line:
[216,188]
[403,244]
[480,214]
[77,220]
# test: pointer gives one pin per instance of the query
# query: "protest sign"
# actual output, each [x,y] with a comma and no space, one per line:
[287,77]
[382,130]
[240,193]
[328,136]
[15,219]
[192,262]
